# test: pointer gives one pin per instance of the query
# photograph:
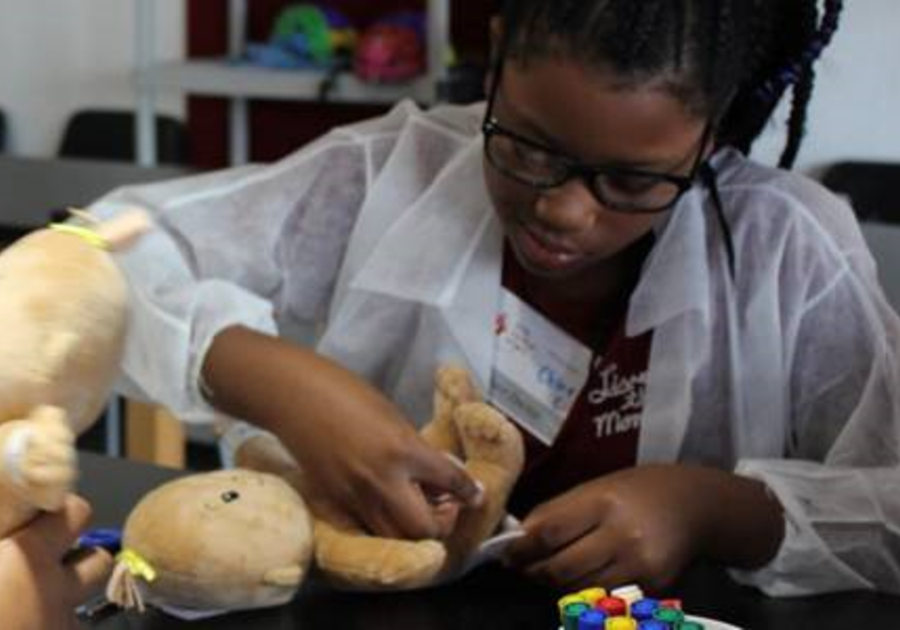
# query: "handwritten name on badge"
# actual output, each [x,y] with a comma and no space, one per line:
[539,369]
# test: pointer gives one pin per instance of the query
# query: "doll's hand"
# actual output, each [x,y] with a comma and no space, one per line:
[645,525]
[41,453]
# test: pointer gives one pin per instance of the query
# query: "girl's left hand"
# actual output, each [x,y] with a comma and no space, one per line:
[643,525]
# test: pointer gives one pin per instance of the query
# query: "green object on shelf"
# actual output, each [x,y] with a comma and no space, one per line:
[312,22]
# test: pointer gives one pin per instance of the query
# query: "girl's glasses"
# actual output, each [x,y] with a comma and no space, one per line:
[617,188]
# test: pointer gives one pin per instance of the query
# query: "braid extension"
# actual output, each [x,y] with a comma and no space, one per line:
[775,86]
[646,15]
[797,123]
[720,41]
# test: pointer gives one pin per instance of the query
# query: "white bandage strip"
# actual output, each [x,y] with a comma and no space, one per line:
[16,446]
[235,436]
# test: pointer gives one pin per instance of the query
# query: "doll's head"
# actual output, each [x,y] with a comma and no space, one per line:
[223,540]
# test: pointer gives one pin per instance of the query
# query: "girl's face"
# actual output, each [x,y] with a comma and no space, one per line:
[586,116]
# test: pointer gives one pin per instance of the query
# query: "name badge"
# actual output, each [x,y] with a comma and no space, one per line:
[538,371]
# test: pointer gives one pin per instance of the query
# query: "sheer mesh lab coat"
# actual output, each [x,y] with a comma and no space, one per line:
[381,238]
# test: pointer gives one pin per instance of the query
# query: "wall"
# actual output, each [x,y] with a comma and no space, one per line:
[855,113]
[57,56]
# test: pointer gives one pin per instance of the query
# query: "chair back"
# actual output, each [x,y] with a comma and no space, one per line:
[110,135]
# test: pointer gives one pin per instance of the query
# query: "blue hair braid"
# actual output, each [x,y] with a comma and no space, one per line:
[790,75]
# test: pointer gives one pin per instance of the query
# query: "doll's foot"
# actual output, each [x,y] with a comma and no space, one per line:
[452,388]
[455,386]
[489,438]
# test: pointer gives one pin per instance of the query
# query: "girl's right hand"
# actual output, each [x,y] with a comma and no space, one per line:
[366,460]
[356,449]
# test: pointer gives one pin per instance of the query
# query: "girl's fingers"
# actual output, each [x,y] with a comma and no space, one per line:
[57,532]
[578,562]
[89,573]
[547,532]
[437,471]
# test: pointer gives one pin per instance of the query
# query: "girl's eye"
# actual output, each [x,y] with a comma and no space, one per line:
[629,184]
[532,156]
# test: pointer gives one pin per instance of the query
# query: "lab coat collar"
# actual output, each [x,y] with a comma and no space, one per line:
[676,276]
[444,252]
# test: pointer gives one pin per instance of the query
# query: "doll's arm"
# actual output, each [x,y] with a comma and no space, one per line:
[37,457]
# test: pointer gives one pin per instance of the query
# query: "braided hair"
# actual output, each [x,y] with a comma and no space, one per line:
[731,60]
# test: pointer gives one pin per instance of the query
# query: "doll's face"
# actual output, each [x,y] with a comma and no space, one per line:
[589,118]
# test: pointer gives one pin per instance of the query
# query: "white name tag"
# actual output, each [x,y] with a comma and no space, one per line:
[538,369]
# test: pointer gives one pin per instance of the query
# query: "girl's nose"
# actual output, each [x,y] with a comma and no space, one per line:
[567,208]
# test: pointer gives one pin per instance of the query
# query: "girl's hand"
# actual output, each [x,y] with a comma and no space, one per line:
[360,457]
[367,462]
[38,590]
[644,525]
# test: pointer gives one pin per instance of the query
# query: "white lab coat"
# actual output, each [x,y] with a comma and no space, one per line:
[380,237]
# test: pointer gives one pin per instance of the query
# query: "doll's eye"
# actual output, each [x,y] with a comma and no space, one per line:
[230,496]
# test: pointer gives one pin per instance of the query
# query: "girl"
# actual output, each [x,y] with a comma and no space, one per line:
[694,345]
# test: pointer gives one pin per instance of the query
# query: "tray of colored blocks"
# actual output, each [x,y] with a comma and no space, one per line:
[627,608]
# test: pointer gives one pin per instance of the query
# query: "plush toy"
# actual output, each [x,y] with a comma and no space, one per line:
[491,450]
[214,542]
[242,538]
[306,36]
[393,49]
[63,307]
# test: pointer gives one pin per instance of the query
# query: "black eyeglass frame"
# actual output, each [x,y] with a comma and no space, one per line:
[586,173]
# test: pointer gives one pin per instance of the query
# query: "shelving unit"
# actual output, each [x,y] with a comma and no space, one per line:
[239,83]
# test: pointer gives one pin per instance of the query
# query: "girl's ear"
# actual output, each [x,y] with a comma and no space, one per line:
[496,28]
[496,37]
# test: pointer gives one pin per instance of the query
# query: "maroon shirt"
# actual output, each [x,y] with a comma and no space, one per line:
[600,434]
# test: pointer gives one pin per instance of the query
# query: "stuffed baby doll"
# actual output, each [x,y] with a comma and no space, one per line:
[214,542]
[487,444]
[63,308]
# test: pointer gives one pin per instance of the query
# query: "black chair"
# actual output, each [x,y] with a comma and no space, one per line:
[109,134]
[871,187]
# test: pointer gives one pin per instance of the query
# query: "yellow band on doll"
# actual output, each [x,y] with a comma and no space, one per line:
[136,565]
[87,234]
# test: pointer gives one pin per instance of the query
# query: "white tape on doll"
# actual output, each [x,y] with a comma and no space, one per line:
[14,456]
[234,437]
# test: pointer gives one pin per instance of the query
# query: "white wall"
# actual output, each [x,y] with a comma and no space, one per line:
[57,56]
[855,112]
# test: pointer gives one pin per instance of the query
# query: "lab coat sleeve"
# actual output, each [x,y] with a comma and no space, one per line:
[220,257]
[839,481]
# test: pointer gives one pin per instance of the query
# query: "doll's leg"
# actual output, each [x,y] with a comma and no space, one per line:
[453,387]
[363,562]
[494,456]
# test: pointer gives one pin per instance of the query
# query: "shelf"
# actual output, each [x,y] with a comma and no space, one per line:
[221,77]
[239,83]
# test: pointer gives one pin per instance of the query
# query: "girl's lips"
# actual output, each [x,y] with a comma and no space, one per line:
[543,253]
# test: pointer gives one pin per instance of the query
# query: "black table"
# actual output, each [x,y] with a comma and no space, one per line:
[32,188]
[490,598]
